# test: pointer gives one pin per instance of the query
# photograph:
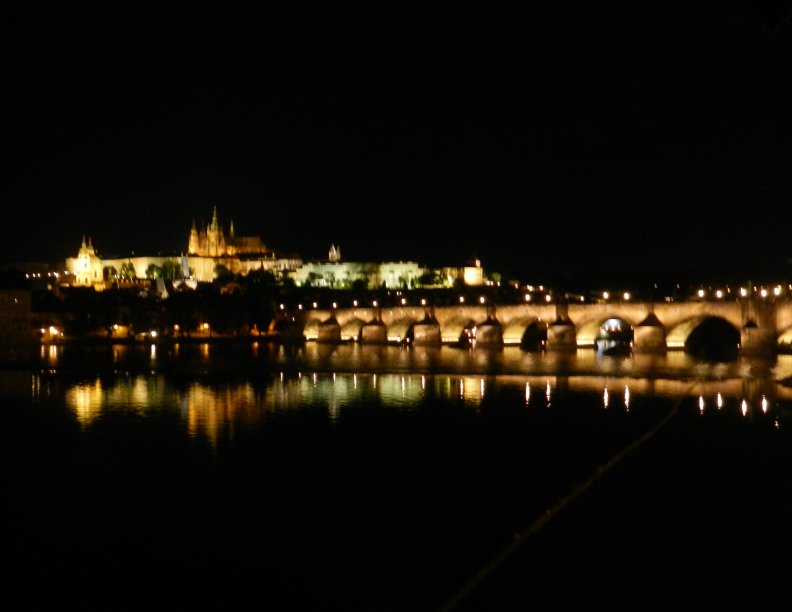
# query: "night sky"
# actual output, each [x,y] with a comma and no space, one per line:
[552,143]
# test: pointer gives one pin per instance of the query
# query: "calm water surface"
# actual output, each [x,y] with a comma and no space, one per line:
[356,478]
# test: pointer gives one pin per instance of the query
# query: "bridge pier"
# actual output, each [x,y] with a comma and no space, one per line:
[489,333]
[649,335]
[427,332]
[561,335]
[329,331]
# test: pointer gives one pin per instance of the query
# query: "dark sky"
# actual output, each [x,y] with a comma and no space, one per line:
[606,143]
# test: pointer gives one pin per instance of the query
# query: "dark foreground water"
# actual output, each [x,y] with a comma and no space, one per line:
[387,478]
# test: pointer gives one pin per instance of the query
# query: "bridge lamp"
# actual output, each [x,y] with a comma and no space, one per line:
[527,298]
[763,293]
[605,295]
[374,303]
[481,299]
[354,302]
[777,291]
[626,295]
[314,304]
[423,301]
[743,291]
[282,307]
[403,301]
[299,306]
[701,293]
[719,294]
[335,305]
[461,299]
[548,298]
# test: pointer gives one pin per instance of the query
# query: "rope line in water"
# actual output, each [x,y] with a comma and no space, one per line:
[520,537]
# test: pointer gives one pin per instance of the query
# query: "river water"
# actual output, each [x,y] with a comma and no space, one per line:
[352,477]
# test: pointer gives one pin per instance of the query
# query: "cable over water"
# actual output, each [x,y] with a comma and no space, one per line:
[522,536]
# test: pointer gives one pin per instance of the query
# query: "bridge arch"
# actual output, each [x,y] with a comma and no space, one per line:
[514,330]
[785,340]
[401,330]
[458,330]
[534,337]
[351,329]
[604,329]
[705,335]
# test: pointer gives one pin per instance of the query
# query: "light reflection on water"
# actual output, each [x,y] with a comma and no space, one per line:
[335,376]
[209,410]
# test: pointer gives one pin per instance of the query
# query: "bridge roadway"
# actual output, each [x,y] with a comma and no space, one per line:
[763,325]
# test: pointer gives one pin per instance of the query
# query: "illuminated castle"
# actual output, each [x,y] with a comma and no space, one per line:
[212,241]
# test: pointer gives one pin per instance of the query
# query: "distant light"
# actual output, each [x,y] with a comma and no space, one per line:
[777,291]
[701,292]
[763,293]
[423,301]
[153,334]
[403,301]
[115,326]
[527,298]
[481,299]
[354,302]
[461,299]
[335,305]
[719,294]
[282,307]
[314,304]
[743,291]
[626,295]
[374,302]
[582,299]
[548,298]
[299,306]
[605,295]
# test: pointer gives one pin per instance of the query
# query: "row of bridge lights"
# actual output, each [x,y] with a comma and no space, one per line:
[744,291]
[606,295]
[403,302]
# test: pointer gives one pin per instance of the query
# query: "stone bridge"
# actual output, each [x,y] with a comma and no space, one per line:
[761,325]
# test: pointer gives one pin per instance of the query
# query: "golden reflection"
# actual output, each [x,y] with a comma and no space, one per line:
[764,404]
[626,397]
[744,407]
[205,351]
[527,393]
[212,411]
[701,404]
[86,400]
[153,355]
[719,401]
[605,398]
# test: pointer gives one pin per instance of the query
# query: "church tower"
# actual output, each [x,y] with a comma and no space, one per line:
[193,245]
[87,266]
[215,240]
